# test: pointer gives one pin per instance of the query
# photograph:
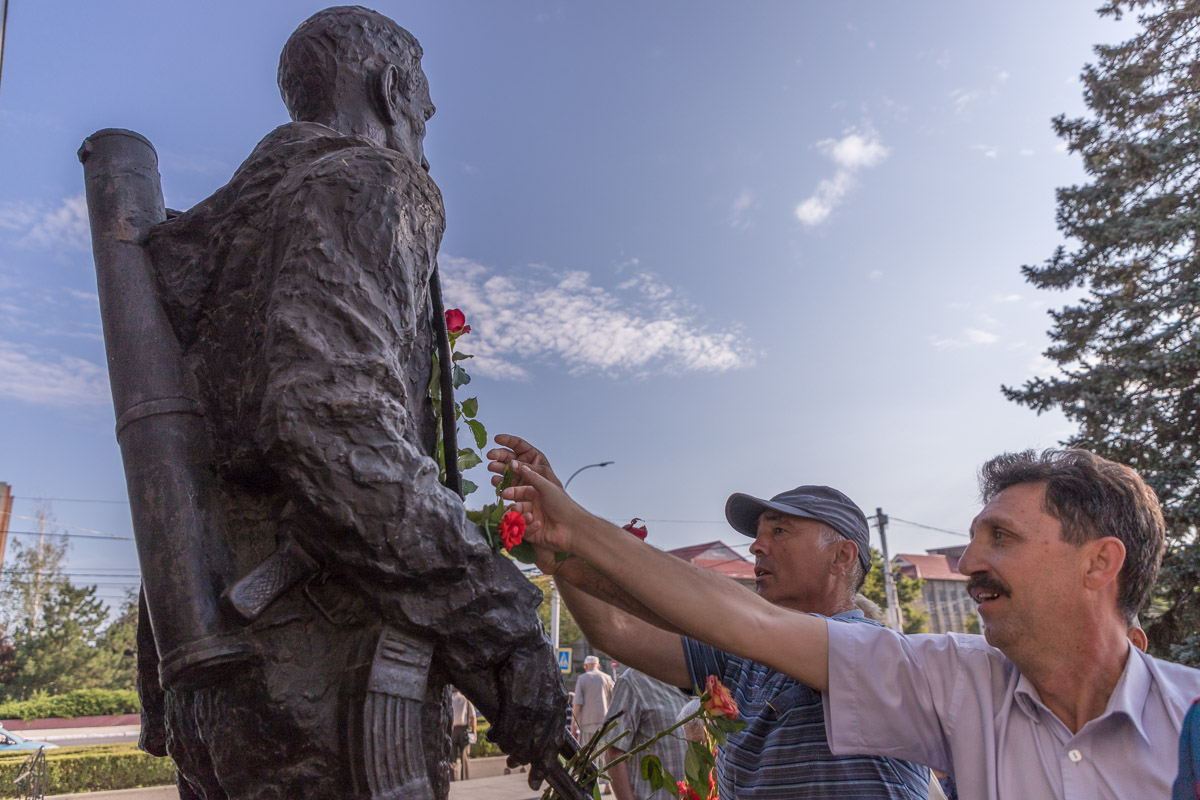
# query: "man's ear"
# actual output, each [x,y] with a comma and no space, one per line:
[389,91]
[846,556]
[1105,557]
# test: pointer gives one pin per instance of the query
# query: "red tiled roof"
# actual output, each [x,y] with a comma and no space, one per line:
[933,568]
[739,569]
[718,557]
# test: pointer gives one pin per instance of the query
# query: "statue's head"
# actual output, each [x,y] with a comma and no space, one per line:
[358,72]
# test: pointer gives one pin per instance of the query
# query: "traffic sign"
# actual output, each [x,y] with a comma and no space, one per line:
[564,659]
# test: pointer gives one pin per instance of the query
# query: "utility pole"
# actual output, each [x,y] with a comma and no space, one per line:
[6,501]
[895,619]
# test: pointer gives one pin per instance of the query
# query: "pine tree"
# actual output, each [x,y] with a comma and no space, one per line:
[1127,354]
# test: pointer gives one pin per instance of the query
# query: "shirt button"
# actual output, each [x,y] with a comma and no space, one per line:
[1075,755]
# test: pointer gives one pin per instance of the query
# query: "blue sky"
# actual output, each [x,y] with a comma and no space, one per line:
[730,247]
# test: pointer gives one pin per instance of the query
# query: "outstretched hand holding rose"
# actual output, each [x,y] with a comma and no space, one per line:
[515,450]
[551,515]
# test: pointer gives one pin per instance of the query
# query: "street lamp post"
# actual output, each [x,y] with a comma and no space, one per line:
[554,598]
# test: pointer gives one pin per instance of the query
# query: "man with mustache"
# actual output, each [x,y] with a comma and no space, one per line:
[811,555]
[1052,702]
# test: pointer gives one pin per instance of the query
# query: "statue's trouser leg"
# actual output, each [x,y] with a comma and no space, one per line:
[392,760]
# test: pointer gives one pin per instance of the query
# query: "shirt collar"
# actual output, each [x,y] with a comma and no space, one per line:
[1132,691]
[1128,697]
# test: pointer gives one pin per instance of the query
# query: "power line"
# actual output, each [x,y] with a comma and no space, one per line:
[928,527]
[53,524]
[69,499]
[104,536]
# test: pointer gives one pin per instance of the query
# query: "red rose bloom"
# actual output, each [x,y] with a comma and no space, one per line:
[720,702]
[456,321]
[635,529]
[512,529]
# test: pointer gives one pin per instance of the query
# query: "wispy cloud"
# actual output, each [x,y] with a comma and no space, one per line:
[560,316]
[1007,298]
[49,378]
[963,99]
[970,337]
[739,212]
[62,227]
[855,151]
[989,151]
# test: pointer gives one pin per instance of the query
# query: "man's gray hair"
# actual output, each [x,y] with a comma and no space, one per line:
[857,575]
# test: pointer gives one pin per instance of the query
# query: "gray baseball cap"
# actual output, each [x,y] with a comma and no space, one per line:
[821,503]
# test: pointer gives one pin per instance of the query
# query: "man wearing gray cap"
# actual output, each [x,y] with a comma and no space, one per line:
[811,554]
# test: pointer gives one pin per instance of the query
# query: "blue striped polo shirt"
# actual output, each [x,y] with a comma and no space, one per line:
[782,753]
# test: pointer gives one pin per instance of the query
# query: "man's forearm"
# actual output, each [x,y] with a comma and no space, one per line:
[706,606]
[656,652]
[618,775]
[575,573]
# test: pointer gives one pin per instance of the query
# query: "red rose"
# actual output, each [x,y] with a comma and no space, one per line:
[633,528]
[512,529]
[720,702]
[686,792]
[456,321]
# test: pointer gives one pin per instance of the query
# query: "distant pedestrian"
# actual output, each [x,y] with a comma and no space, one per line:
[463,732]
[593,693]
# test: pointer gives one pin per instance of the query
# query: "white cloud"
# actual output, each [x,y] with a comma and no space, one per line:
[739,212]
[63,227]
[971,337]
[963,99]
[561,316]
[1007,298]
[1025,151]
[17,216]
[829,194]
[88,297]
[48,378]
[989,151]
[975,336]
[875,274]
[857,150]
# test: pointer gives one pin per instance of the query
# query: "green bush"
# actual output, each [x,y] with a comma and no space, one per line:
[90,769]
[79,703]
[482,746]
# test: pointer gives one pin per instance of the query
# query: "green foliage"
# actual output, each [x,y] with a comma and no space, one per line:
[1127,355]
[58,639]
[91,769]
[482,748]
[67,650]
[463,410]
[569,634]
[908,592]
[79,703]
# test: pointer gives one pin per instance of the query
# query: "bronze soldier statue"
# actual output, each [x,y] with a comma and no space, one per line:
[354,588]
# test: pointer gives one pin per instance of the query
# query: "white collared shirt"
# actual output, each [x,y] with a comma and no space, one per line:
[959,705]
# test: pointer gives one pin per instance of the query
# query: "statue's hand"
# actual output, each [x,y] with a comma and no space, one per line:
[532,724]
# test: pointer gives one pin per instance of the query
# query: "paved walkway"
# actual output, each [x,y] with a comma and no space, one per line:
[501,787]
